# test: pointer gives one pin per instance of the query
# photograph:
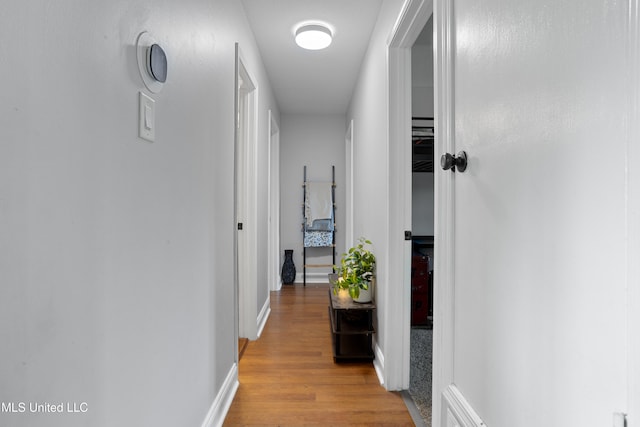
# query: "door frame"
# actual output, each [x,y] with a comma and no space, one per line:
[444,268]
[245,199]
[396,368]
[274,204]
[412,19]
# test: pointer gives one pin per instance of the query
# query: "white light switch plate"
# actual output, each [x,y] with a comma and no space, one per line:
[147,118]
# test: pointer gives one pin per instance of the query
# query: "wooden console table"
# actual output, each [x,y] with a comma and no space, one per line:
[352,327]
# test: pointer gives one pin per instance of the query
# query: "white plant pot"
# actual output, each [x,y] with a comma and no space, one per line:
[365,295]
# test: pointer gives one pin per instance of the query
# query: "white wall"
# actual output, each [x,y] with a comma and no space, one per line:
[317,141]
[115,254]
[369,112]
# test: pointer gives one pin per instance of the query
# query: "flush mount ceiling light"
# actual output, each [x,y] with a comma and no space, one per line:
[313,36]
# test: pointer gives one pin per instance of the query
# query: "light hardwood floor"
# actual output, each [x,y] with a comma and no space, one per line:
[288,377]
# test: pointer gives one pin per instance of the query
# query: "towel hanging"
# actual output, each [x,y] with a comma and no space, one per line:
[319,201]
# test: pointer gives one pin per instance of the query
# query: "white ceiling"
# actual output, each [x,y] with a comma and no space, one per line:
[312,82]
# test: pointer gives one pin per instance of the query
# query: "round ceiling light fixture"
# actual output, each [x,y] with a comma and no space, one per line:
[314,36]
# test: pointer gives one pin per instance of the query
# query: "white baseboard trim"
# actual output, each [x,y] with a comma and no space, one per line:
[263,316]
[313,277]
[378,363]
[456,410]
[222,403]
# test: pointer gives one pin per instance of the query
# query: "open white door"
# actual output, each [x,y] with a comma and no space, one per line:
[532,252]
[397,316]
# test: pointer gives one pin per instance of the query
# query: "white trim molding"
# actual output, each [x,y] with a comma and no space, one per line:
[263,316]
[378,363]
[314,277]
[221,404]
[458,412]
[444,276]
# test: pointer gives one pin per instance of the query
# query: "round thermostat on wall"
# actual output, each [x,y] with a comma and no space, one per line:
[152,62]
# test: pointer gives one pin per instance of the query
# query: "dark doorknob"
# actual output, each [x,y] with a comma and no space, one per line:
[449,161]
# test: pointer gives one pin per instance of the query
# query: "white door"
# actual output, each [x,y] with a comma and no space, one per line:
[533,274]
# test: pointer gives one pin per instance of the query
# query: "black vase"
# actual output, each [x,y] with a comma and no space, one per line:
[288,268]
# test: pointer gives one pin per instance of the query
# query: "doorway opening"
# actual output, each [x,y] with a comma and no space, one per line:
[422,221]
[413,18]
[245,193]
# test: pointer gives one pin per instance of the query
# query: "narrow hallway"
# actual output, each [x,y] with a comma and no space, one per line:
[288,377]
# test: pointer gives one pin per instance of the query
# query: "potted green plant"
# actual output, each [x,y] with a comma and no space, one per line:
[357,269]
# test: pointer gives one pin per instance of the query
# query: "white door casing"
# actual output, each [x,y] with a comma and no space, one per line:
[444,272]
[395,372]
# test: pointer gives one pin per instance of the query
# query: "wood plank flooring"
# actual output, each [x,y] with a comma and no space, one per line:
[288,377]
